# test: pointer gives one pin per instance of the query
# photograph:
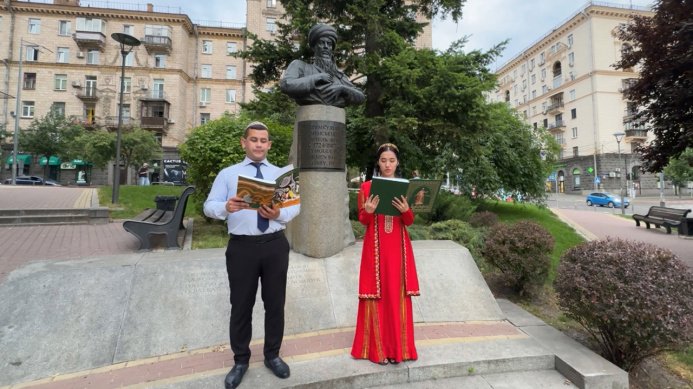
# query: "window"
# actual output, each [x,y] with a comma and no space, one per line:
[64,54]
[230,95]
[534,112]
[126,113]
[517,102]
[231,47]
[127,85]
[543,108]
[524,69]
[531,64]
[524,84]
[543,74]
[230,72]
[571,59]
[544,89]
[524,99]
[93,57]
[206,47]
[159,60]
[61,82]
[59,108]
[270,25]
[574,132]
[535,125]
[541,59]
[515,88]
[0,23]
[534,94]
[206,71]
[128,58]
[29,80]
[524,114]
[573,75]
[205,95]
[534,78]
[93,25]
[575,154]
[128,29]
[570,40]
[64,27]
[271,3]
[32,53]
[546,125]
[158,89]
[34,26]
[204,118]
[572,95]
[573,113]
[27,109]
[514,74]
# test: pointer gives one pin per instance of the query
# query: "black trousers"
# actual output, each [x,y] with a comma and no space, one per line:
[246,263]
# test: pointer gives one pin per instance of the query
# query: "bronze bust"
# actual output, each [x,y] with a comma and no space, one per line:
[320,82]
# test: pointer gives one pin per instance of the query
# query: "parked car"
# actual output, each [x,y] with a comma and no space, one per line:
[31,180]
[606,199]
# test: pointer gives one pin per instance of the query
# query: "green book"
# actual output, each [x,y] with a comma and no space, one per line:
[420,194]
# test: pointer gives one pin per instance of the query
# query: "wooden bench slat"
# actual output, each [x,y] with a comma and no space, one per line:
[662,216]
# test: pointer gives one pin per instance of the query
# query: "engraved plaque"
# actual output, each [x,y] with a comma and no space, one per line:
[321,145]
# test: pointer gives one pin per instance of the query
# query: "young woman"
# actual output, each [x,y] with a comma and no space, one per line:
[384,326]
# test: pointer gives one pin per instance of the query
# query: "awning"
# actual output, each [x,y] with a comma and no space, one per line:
[53,161]
[79,162]
[25,158]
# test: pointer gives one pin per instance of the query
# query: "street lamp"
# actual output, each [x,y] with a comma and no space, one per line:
[127,43]
[619,136]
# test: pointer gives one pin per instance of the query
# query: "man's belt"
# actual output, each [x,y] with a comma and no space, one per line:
[258,238]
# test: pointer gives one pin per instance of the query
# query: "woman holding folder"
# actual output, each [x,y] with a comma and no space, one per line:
[387,280]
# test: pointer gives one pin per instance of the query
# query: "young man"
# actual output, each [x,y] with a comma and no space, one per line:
[144,174]
[257,249]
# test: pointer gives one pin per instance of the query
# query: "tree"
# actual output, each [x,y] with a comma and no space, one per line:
[680,170]
[216,145]
[661,47]
[138,146]
[98,147]
[52,135]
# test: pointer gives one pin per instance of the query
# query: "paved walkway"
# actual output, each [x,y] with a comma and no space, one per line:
[217,360]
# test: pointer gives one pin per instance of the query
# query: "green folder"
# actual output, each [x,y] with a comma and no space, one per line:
[387,189]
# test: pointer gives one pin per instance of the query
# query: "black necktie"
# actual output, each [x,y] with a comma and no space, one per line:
[262,222]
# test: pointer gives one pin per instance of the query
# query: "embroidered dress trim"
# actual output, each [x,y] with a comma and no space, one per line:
[376,245]
[388,223]
[403,307]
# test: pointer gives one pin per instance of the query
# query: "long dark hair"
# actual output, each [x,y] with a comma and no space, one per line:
[383,148]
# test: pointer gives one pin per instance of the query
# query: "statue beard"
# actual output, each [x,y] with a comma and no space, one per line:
[326,65]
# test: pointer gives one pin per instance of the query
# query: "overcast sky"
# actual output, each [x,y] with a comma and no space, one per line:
[486,22]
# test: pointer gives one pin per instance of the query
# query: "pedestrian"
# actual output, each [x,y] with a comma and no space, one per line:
[387,279]
[144,174]
[257,249]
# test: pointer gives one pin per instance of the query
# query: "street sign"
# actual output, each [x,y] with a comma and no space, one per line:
[552,177]
[597,180]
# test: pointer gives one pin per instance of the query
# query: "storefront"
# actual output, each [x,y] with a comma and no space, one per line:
[81,169]
[53,167]
[23,164]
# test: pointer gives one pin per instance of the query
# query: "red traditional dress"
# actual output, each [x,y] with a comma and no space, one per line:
[384,326]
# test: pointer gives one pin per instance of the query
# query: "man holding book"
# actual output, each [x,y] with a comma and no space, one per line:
[257,250]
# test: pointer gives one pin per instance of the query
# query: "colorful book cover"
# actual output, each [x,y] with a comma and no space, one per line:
[421,194]
[280,192]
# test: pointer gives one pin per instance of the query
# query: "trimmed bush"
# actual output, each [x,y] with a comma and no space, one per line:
[459,232]
[354,205]
[417,232]
[358,228]
[634,298]
[521,252]
[449,206]
[484,219]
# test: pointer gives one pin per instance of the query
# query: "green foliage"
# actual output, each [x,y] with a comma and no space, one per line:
[418,232]
[634,298]
[353,205]
[680,169]
[272,105]
[462,233]
[358,228]
[133,199]
[52,135]
[138,146]
[484,219]
[99,148]
[521,252]
[216,145]
[448,206]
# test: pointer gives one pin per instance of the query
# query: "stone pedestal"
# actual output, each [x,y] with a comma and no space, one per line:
[322,229]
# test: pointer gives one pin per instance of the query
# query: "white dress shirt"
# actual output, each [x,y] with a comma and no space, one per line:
[243,222]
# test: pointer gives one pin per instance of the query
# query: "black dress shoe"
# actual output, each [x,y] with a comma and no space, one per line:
[233,379]
[278,367]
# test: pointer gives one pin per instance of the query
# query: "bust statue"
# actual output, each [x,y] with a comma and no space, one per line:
[320,82]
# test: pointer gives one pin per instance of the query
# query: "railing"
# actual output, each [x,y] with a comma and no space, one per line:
[156,94]
[636,133]
[154,122]
[629,114]
[124,6]
[88,93]
[89,37]
[212,23]
[554,106]
[88,122]
[558,124]
[112,121]
[634,125]
[157,40]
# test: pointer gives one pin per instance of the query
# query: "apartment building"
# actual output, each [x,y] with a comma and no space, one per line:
[566,82]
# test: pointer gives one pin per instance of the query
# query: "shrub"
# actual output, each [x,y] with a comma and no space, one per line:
[460,232]
[484,219]
[521,252]
[417,232]
[354,205]
[634,298]
[449,206]
[358,228]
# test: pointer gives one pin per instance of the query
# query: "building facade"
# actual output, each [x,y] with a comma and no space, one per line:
[566,83]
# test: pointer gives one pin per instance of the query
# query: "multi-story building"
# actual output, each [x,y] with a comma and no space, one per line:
[182,75]
[567,83]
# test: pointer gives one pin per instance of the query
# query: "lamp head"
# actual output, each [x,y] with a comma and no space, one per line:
[619,136]
[125,39]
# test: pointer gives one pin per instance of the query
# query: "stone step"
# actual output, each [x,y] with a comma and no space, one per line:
[538,379]
[33,217]
[41,220]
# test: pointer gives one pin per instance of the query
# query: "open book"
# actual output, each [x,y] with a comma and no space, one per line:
[420,194]
[280,191]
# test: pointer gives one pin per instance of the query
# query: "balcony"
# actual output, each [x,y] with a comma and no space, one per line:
[90,40]
[112,121]
[636,135]
[89,122]
[155,95]
[88,94]
[555,107]
[629,115]
[556,127]
[626,84]
[154,123]
[157,44]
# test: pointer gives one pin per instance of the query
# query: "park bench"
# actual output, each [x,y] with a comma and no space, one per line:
[161,220]
[662,217]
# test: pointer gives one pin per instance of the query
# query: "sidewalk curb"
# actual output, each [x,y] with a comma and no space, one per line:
[580,230]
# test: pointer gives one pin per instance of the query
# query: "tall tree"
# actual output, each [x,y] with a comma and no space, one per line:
[661,48]
[680,170]
[52,135]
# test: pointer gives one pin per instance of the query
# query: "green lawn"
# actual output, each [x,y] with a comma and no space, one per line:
[133,199]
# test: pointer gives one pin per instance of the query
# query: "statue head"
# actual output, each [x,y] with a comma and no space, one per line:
[322,39]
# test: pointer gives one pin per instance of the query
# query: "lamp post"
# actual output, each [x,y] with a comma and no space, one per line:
[619,136]
[127,43]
